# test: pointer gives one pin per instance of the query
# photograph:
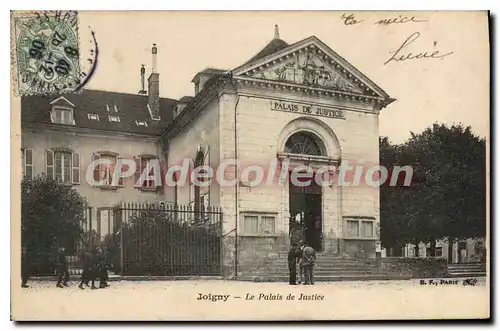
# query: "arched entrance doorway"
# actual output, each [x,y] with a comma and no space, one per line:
[305,195]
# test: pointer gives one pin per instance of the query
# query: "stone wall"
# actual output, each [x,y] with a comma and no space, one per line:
[359,248]
[414,267]
[254,253]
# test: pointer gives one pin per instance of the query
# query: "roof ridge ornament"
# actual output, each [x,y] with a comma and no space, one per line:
[276,32]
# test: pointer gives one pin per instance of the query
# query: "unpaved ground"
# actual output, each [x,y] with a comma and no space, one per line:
[179,300]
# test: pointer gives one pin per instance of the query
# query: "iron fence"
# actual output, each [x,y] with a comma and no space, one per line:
[145,239]
[169,239]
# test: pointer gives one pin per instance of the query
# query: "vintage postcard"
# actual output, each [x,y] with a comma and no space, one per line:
[250,166]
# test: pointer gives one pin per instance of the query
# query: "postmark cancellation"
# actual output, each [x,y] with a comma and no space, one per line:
[45,51]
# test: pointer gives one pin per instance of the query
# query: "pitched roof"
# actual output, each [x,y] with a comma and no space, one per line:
[130,108]
[272,47]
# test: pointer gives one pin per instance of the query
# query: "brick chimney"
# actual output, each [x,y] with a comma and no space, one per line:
[154,88]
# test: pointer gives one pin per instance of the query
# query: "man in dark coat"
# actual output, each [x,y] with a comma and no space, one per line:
[103,271]
[307,264]
[62,268]
[87,270]
[293,254]
[94,266]
[25,266]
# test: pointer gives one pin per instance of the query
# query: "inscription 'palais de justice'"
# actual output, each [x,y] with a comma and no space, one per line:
[307,109]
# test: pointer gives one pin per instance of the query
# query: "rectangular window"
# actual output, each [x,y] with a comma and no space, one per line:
[104,172]
[251,224]
[63,116]
[258,224]
[439,251]
[107,170]
[147,164]
[352,228]
[94,117]
[367,229]
[63,166]
[114,118]
[267,224]
[28,163]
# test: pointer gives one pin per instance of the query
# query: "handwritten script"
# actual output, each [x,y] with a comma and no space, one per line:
[399,55]
[350,19]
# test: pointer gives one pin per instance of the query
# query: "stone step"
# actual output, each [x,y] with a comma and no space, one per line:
[467,274]
[317,268]
[465,269]
[320,278]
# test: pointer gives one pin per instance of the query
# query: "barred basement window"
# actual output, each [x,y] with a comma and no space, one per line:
[141,123]
[114,118]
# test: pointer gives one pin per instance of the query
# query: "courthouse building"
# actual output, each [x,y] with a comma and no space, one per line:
[299,103]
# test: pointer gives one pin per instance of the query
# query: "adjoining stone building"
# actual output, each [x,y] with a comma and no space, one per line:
[299,103]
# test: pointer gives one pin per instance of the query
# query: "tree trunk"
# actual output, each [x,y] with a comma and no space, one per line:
[433,248]
[416,250]
[450,250]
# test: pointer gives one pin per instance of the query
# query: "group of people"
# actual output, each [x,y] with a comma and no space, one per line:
[305,257]
[95,266]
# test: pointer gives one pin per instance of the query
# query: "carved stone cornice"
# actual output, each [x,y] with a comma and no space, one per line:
[310,66]
[307,90]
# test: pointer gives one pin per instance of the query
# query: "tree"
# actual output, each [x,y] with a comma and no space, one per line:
[52,214]
[447,196]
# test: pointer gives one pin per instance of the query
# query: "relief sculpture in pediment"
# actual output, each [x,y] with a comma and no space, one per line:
[304,70]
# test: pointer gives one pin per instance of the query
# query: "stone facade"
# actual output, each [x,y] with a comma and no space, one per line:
[240,122]
[40,138]
[249,114]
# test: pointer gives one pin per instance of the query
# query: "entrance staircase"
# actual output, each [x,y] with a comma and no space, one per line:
[466,270]
[328,268]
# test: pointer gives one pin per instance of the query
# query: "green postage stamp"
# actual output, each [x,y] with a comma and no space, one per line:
[46,52]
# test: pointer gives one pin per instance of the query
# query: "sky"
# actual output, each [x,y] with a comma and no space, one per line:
[451,89]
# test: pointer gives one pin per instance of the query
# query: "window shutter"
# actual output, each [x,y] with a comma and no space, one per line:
[97,169]
[151,172]
[49,163]
[76,168]
[138,170]
[163,174]
[124,168]
[28,163]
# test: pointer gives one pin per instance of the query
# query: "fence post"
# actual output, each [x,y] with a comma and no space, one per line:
[221,232]
[90,239]
[120,210]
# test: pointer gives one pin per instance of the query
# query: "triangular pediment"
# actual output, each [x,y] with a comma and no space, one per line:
[312,64]
[62,101]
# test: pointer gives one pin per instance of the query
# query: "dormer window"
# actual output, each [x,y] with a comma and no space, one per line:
[114,118]
[107,107]
[94,117]
[141,123]
[116,109]
[62,111]
[62,116]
